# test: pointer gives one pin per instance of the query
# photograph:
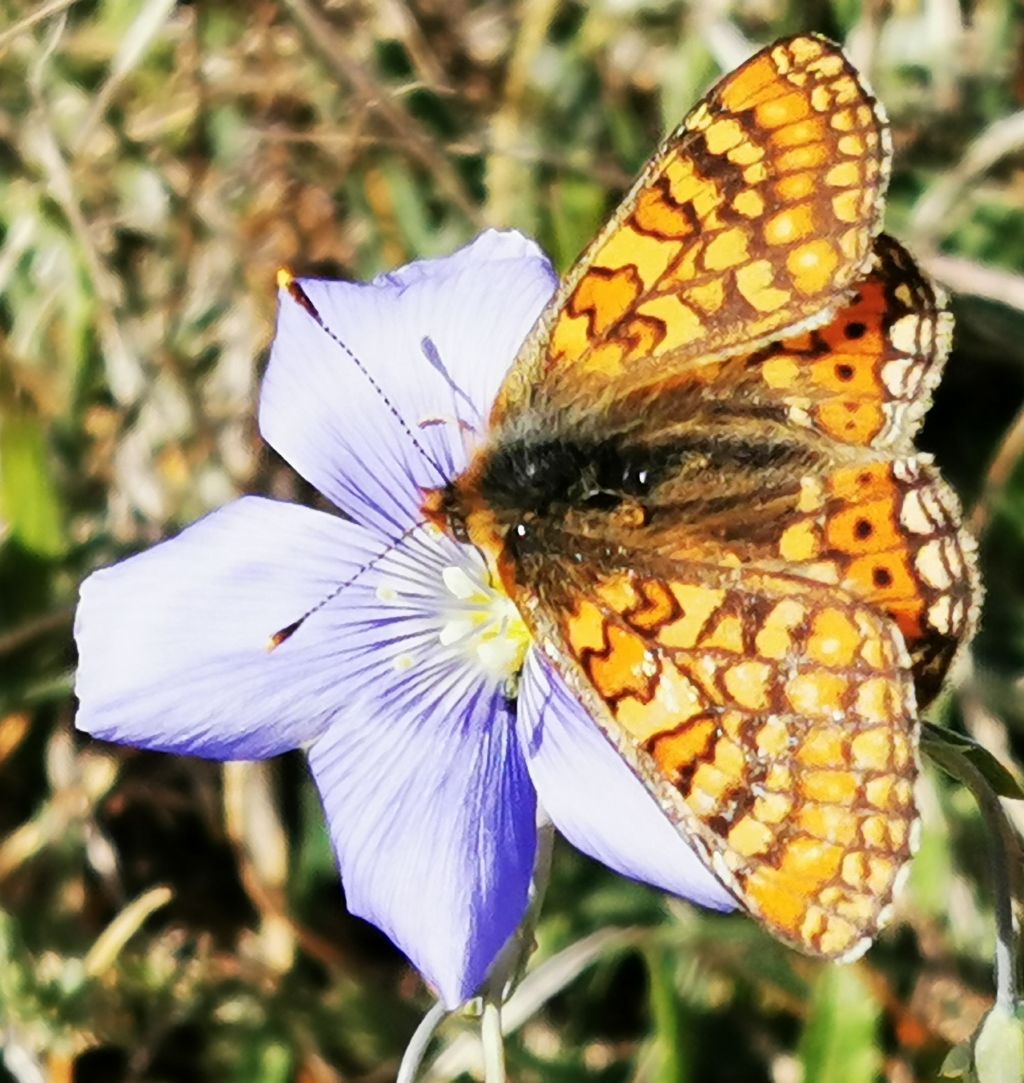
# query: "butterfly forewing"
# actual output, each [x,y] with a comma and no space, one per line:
[752,219]
[773,717]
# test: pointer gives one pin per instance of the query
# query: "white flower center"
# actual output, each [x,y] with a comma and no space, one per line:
[454,610]
[482,622]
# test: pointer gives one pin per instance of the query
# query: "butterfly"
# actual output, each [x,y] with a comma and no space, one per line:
[700,488]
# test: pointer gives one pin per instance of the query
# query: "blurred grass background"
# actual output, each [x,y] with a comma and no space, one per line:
[167,919]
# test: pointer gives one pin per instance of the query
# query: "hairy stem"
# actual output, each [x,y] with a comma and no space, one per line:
[415,1051]
[493,1042]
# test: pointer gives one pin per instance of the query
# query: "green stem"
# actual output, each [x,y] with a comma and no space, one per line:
[415,1051]
[1004,855]
[493,1042]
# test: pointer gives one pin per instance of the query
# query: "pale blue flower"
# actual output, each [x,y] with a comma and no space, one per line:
[396,685]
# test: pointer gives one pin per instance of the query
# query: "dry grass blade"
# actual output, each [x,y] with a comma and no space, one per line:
[41,14]
[371,95]
[938,207]
[968,276]
[509,180]
[1005,461]
[110,943]
[140,36]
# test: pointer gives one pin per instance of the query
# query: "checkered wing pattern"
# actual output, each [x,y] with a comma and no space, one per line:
[751,221]
[773,718]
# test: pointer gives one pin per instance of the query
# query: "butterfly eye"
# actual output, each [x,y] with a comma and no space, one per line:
[460,531]
[635,482]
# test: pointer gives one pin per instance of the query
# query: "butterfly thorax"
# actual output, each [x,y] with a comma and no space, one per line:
[567,490]
[516,490]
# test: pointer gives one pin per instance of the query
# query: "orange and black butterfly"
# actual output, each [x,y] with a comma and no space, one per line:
[699,485]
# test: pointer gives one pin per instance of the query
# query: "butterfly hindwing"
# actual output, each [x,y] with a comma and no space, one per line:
[865,378]
[890,532]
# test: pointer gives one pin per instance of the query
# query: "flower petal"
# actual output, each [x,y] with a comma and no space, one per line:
[465,316]
[173,642]
[432,814]
[595,800]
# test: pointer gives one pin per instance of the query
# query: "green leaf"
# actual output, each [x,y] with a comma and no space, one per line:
[938,743]
[958,1062]
[839,1043]
[29,500]
[265,1060]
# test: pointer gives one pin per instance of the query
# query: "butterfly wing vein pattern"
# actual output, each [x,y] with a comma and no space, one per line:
[700,487]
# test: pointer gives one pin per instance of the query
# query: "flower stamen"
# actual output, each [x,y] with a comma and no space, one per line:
[483,623]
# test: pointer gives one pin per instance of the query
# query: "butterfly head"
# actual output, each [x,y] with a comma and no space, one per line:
[460,511]
[442,508]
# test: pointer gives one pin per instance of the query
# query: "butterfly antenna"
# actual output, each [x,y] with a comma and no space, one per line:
[285,633]
[290,284]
